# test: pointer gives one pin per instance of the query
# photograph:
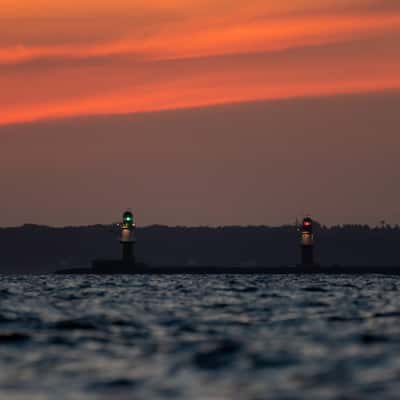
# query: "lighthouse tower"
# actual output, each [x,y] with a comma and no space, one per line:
[128,237]
[307,243]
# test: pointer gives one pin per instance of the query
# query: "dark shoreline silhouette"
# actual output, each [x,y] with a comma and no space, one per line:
[113,268]
[42,249]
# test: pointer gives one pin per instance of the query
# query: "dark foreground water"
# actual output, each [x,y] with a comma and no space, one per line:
[204,337]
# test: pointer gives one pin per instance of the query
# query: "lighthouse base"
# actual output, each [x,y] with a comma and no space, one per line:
[116,266]
[309,267]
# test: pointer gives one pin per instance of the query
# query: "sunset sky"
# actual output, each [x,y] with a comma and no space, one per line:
[199,112]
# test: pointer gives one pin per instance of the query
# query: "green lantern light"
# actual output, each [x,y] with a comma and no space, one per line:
[128,218]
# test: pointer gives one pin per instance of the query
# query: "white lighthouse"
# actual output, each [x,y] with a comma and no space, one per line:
[307,242]
[128,237]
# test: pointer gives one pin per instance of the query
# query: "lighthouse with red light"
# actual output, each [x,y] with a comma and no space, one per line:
[307,243]
[128,237]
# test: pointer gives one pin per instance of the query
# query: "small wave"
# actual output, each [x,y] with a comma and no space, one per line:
[75,324]
[315,304]
[249,289]
[313,289]
[218,356]
[115,384]
[339,318]
[5,293]
[391,314]
[272,296]
[216,306]
[349,285]
[61,341]
[369,338]
[260,361]
[125,322]
[13,337]
[4,319]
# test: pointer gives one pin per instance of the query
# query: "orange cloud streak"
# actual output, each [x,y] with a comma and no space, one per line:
[116,104]
[179,55]
[184,84]
[253,36]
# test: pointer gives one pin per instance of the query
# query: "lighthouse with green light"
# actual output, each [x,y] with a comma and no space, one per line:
[128,237]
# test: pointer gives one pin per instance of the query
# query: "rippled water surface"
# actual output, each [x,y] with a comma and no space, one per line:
[199,337]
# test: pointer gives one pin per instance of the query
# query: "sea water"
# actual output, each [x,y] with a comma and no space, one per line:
[199,337]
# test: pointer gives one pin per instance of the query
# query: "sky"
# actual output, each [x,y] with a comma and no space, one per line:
[199,113]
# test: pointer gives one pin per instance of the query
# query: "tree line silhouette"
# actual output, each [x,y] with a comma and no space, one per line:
[42,249]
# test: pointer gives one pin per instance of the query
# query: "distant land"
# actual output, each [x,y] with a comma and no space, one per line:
[42,249]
